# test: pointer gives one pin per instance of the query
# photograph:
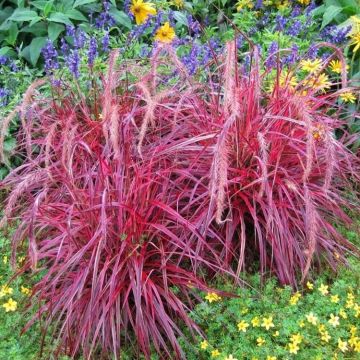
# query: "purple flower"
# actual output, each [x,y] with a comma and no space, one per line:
[3,60]
[296,11]
[92,53]
[293,57]
[144,51]
[64,46]
[295,28]
[312,52]
[79,39]
[334,34]
[50,55]
[137,31]
[105,20]
[73,62]
[171,18]
[4,93]
[280,23]
[193,25]
[191,61]
[70,30]
[271,60]
[158,21]
[13,67]
[259,4]
[310,8]
[105,41]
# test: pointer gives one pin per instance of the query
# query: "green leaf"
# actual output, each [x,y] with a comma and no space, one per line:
[54,30]
[121,18]
[13,33]
[180,18]
[4,50]
[35,49]
[9,144]
[35,20]
[82,2]
[39,29]
[23,15]
[60,18]
[48,8]
[76,15]
[39,4]
[329,14]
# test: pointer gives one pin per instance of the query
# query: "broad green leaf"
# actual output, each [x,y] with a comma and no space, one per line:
[13,33]
[329,14]
[60,18]
[82,2]
[23,15]
[35,20]
[180,18]
[121,18]
[4,50]
[35,49]
[39,29]
[76,15]
[39,4]
[54,30]
[48,8]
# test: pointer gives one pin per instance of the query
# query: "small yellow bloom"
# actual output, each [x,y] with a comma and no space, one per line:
[165,33]
[244,311]
[142,10]
[204,345]
[348,97]
[319,82]
[276,333]
[215,353]
[267,323]
[325,336]
[324,289]
[342,345]
[334,299]
[304,2]
[295,298]
[5,259]
[179,3]
[255,322]
[336,66]
[271,357]
[260,341]
[302,323]
[357,347]
[353,340]
[353,330]
[350,296]
[293,348]
[25,290]
[296,338]
[10,305]
[212,297]
[355,40]
[310,285]
[242,326]
[311,318]
[357,310]
[5,290]
[349,304]
[321,328]
[334,320]
[343,314]
[311,65]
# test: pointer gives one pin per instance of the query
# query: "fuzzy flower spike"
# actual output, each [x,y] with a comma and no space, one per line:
[141,10]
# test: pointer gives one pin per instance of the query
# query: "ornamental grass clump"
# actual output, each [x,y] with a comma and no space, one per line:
[134,196]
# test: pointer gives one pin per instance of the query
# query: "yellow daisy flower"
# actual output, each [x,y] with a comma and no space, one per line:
[10,305]
[296,338]
[242,326]
[348,97]
[215,353]
[311,318]
[271,357]
[334,320]
[165,33]
[230,357]
[204,345]
[320,82]
[212,297]
[5,290]
[309,285]
[342,345]
[260,341]
[267,323]
[295,298]
[334,299]
[355,40]
[293,348]
[179,3]
[311,65]
[141,10]
[25,290]
[343,313]
[324,289]
[255,322]
[325,336]
[304,2]
[336,66]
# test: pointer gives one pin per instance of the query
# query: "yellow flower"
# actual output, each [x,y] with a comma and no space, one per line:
[353,340]
[357,347]
[295,298]
[350,296]
[302,323]
[343,313]
[271,357]
[304,2]
[242,326]
[324,289]
[321,328]
[25,290]
[255,321]
[211,297]
[319,82]
[355,40]
[348,97]
[244,311]
[179,3]
[293,348]
[336,66]
[276,333]
[10,305]
[334,320]
[204,345]
[230,357]
[353,330]
[215,353]
[311,318]
[267,323]
[296,338]
[260,341]
[310,285]
[311,65]
[334,299]
[241,4]
[5,290]
[349,304]
[165,33]
[5,259]
[325,336]
[357,310]
[141,10]
[342,345]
